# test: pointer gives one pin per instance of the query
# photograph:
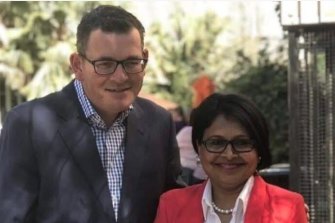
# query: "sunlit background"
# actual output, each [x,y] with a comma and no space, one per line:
[239,46]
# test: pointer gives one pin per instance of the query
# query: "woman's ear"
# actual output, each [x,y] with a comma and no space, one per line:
[77,66]
[197,150]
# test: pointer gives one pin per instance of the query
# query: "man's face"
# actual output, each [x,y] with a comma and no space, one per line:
[113,93]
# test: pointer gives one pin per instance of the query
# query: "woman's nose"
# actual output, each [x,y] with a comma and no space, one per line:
[229,152]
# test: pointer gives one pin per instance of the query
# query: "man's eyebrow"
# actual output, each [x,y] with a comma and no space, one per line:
[134,57]
[107,58]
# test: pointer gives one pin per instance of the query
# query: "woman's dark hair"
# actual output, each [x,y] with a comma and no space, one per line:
[108,18]
[237,108]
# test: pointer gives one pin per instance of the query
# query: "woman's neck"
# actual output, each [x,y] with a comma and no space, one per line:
[225,198]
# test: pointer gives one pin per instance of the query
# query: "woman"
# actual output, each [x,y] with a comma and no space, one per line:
[231,137]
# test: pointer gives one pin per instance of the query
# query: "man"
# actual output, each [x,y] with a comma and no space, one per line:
[92,152]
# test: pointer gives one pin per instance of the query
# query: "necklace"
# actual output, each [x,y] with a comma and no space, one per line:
[222,211]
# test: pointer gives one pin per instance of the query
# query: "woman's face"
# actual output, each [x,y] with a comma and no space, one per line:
[227,170]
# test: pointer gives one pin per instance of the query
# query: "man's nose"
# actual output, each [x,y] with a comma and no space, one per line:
[119,74]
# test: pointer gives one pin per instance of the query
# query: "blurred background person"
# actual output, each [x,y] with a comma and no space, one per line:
[192,171]
[178,117]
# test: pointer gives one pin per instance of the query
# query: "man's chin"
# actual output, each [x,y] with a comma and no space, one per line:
[120,102]
[123,105]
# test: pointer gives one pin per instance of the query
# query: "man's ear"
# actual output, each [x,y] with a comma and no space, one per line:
[77,66]
[145,56]
[145,53]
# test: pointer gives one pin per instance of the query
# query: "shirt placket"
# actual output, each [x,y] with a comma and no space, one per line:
[114,168]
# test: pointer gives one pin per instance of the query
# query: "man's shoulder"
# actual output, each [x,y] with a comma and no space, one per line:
[148,105]
[31,104]
[54,100]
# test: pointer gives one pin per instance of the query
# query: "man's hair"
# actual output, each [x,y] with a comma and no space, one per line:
[108,18]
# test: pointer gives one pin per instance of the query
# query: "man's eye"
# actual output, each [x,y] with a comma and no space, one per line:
[132,62]
[105,64]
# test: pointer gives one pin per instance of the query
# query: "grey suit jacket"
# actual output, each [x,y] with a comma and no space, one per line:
[50,169]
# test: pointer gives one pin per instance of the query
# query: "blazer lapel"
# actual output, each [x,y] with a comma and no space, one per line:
[257,208]
[135,148]
[80,141]
[193,211]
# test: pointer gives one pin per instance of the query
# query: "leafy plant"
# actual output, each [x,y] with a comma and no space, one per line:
[266,84]
[183,49]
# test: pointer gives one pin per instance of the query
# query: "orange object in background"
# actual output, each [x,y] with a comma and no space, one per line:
[202,88]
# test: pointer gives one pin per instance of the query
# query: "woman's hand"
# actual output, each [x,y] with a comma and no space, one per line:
[307,212]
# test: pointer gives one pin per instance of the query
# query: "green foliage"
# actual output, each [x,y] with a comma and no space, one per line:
[41,37]
[32,29]
[266,84]
[183,49]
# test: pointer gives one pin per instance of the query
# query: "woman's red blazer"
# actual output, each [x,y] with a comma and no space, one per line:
[267,204]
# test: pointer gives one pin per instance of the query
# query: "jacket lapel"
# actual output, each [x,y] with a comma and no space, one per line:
[194,212]
[80,141]
[257,208]
[135,148]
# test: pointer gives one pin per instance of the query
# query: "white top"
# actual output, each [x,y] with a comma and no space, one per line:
[188,157]
[240,207]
